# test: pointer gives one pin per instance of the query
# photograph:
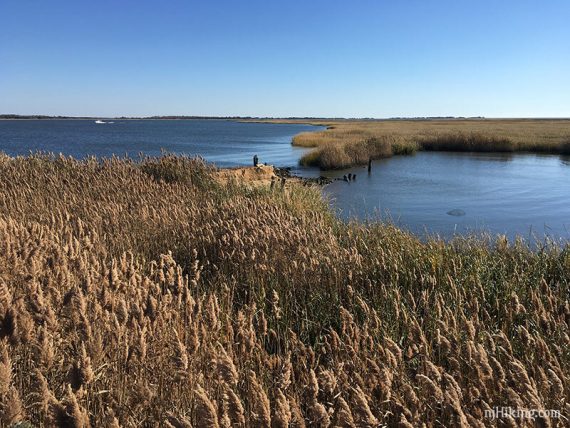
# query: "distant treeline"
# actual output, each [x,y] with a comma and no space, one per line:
[40,116]
[258,118]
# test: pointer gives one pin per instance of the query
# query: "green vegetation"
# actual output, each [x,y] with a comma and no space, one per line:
[148,294]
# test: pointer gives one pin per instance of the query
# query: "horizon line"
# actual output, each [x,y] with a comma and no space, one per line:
[9,116]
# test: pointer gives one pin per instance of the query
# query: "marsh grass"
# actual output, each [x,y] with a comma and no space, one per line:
[406,137]
[178,169]
[467,143]
[343,155]
[553,147]
[147,294]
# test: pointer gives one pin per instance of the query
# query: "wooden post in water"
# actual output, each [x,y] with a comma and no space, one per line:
[369,165]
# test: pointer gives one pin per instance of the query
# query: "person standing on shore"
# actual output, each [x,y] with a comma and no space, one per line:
[255,160]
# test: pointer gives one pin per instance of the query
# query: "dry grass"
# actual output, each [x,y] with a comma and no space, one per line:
[146,294]
[544,136]
[330,156]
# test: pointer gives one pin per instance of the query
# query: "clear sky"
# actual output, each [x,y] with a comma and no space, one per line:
[359,58]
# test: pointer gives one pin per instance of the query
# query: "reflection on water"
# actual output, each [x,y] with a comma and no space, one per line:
[514,194]
[565,160]
[488,157]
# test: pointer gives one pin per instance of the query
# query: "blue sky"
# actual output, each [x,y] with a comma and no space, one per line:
[360,58]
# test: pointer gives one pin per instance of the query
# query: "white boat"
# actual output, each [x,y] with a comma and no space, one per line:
[99,121]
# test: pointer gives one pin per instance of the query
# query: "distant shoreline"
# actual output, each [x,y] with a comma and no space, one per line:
[253,119]
[10,117]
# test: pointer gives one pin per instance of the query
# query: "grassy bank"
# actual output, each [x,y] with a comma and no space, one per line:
[148,294]
[346,143]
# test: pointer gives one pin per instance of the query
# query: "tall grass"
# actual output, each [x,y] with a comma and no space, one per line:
[344,155]
[468,143]
[405,137]
[147,294]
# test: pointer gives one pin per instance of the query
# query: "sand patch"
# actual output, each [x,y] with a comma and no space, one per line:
[256,175]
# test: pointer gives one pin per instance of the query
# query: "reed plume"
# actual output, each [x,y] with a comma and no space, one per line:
[149,293]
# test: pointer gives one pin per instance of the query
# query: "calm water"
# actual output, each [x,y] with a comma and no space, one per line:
[448,193]
[226,143]
[435,193]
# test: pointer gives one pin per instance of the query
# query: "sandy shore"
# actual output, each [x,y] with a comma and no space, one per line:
[257,175]
[263,175]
